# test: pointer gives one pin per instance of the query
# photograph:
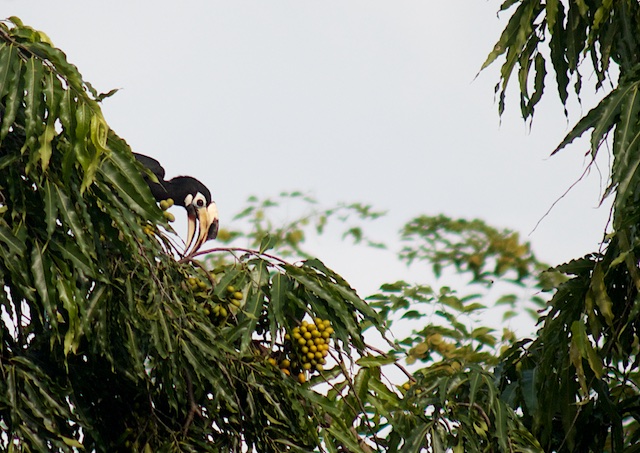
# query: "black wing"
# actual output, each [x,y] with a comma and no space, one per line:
[152,164]
[159,189]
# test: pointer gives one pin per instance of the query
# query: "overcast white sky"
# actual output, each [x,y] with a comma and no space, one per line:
[372,101]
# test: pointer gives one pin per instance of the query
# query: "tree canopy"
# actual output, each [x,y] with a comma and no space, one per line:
[111,340]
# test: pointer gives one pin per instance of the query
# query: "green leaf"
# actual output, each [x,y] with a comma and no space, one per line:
[79,261]
[73,335]
[580,341]
[417,440]
[268,242]
[52,94]
[67,113]
[500,414]
[82,234]
[42,282]
[598,291]
[33,100]
[126,180]
[601,118]
[278,298]
[13,99]
[50,208]
[72,442]
[552,13]
[7,55]
[255,302]
[16,246]
[347,440]
[528,384]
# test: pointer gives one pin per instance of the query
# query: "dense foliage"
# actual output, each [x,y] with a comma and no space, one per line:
[583,364]
[113,341]
[108,340]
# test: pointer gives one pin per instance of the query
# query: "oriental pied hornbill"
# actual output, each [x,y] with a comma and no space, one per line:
[189,193]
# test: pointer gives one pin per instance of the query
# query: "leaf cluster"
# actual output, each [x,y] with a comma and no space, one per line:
[263,225]
[576,384]
[108,342]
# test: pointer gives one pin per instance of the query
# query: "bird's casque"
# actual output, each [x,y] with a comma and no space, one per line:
[189,193]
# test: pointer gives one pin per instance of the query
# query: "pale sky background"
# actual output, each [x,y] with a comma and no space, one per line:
[370,101]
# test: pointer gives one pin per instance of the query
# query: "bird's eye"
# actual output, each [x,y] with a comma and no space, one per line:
[199,201]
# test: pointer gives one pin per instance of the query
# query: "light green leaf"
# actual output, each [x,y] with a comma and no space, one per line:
[598,290]
[72,442]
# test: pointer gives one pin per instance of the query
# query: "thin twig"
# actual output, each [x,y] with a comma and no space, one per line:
[210,277]
[193,407]
[566,192]
[479,408]
[385,355]
[348,378]
[235,249]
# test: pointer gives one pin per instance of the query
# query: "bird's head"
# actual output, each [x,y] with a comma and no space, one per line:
[202,212]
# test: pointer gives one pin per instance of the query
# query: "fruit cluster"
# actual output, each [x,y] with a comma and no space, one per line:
[306,349]
[409,385]
[196,284]
[311,343]
[218,309]
[221,309]
[235,297]
[164,205]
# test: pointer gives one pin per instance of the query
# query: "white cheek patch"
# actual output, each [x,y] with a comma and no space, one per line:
[188,199]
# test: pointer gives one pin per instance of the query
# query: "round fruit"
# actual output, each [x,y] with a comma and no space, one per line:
[237,295]
[170,217]
[302,378]
[231,289]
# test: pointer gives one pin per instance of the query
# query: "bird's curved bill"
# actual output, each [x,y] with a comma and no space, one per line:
[205,220]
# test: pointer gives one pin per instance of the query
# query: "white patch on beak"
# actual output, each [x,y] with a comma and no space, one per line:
[191,229]
[207,227]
